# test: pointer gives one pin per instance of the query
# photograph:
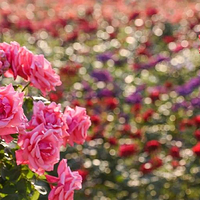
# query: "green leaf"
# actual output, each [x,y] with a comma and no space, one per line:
[30,174]
[21,186]
[8,189]
[35,195]
[11,196]
[27,106]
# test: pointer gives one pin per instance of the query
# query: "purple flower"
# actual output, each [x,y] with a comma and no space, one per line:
[101,75]
[195,102]
[161,58]
[105,93]
[140,88]
[189,86]
[185,105]
[119,62]
[104,57]
[86,86]
[134,98]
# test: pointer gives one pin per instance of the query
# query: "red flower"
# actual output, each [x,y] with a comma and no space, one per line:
[136,108]
[84,173]
[136,66]
[175,163]
[56,96]
[89,138]
[137,134]
[127,150]
[113,35]
[197,134]
[112,141]
[142,50]
[196,149]
[197,120]
[151,11]
[174,152]
[185,123]
[95,119]
[75,103]
[111,102]
[154,95]
[178,48]
[70,69]
[167,39]
[152,146]
[89,103]
[148,114]
[146,168]
[168,84]
[152,164]
[134,15]
[126,128]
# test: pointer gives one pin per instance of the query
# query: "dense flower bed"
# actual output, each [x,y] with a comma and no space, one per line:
[134,66]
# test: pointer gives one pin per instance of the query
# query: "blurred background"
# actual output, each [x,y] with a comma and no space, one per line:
[135,66]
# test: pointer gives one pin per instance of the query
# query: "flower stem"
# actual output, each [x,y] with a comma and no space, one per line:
[26,86]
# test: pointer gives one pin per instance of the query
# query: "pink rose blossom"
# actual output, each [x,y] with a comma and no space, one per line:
[12,118]
[52,118]
[78,122]
[33,68]
[67,182]
[19,58]
[43,76]
[39,148]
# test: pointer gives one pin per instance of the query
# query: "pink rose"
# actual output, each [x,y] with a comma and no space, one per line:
[33,68]
[67,182]
[20,60]
[12,118]
[78,122]
[43,76]
[52,118]
[39,148]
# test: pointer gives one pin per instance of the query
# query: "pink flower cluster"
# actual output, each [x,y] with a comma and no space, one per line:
[48,130]
[40,139]
[66,183]
[33,68]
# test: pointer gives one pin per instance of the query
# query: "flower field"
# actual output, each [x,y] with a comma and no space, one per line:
[101,97]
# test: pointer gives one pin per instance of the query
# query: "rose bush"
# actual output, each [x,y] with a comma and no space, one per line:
[37,142]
